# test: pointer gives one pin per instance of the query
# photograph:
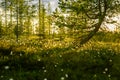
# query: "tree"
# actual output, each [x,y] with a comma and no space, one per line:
[29,12]
[19,8]
[6,14]
[49,18]
[16,31]
[4,6]
[89,12]
[21,12]
[10,15]
[41,14]
[9,8]
[39,17]
[0,27]
[7,5]
[43,21]
[60,21]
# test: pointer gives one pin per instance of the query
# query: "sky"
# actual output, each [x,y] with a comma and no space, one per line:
[53,3]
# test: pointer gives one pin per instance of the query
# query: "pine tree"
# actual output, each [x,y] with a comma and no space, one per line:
[87,15]
[49,19]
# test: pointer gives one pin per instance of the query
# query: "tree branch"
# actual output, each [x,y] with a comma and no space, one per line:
[97,25]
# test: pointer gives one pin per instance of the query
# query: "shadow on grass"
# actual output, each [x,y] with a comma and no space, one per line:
[61,64]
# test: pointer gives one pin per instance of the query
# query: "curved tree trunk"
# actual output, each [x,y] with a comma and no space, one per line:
[91,34]
[97,25]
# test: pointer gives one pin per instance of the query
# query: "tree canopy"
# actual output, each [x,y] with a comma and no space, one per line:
[87,15]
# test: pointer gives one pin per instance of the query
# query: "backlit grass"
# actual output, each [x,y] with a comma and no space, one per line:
[55,60]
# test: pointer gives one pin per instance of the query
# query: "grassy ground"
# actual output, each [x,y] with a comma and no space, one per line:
[55,60]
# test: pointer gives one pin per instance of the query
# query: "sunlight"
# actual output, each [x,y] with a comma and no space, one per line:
[80,40]
[113,25]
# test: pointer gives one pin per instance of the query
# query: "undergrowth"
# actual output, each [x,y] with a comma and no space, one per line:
[37,61]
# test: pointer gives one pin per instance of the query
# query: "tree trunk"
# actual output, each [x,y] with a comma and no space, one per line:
[97,25]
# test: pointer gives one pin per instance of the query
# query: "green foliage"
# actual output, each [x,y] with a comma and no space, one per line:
[1,29]
[107,37]
[54,58]
[85,16]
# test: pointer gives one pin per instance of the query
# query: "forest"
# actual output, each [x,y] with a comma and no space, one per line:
[77,40]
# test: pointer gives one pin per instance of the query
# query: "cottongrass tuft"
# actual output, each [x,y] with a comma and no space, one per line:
[6,67]
[62,78]
[45,78]
[11,79]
